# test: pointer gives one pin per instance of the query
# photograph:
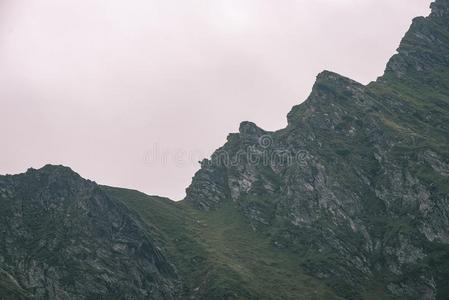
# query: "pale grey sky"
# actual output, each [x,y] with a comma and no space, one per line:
[133,93]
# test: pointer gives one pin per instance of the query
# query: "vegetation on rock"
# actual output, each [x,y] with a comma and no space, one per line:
[349,201]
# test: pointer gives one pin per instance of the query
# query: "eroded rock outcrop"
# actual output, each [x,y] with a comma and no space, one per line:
[62,237]
[362,186]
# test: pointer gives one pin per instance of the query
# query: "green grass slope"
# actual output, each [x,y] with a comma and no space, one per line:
[219,255]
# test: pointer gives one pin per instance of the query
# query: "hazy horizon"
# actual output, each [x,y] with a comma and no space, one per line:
[134,94]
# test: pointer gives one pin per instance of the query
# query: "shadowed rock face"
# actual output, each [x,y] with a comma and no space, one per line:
[61,237]
[354,192]
[440,8]
[363,189]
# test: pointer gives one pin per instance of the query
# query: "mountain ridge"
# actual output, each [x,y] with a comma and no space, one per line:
[64,238]
[372,159]
[349,201]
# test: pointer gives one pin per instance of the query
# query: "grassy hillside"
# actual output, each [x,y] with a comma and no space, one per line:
[219,255]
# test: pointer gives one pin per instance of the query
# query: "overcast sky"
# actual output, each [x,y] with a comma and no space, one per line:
[133,93]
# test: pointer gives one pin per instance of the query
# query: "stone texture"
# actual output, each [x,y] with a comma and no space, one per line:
[61,237]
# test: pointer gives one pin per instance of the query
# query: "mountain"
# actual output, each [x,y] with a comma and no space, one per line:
[357,183]
[349,201]
[62,237]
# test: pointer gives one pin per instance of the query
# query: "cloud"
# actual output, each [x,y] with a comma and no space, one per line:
[95,84]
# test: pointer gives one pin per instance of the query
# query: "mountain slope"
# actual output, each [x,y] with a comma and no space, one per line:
[358,181]
[63,238]
[219,256]
[349,201]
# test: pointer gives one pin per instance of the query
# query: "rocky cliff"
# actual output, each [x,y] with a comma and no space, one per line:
[358,181]
[62,237]
[349,201]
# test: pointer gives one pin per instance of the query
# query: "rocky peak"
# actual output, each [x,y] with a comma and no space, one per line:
[333,82]
[423,49]
[440,8]
[66,220]
[55,181]
[53,172]
[250,132]
[331,90]
[49,168]
[329,75]
[356,171]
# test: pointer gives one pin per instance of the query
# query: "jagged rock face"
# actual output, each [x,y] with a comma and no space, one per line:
[356,186]
[61,237]
[358,181]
